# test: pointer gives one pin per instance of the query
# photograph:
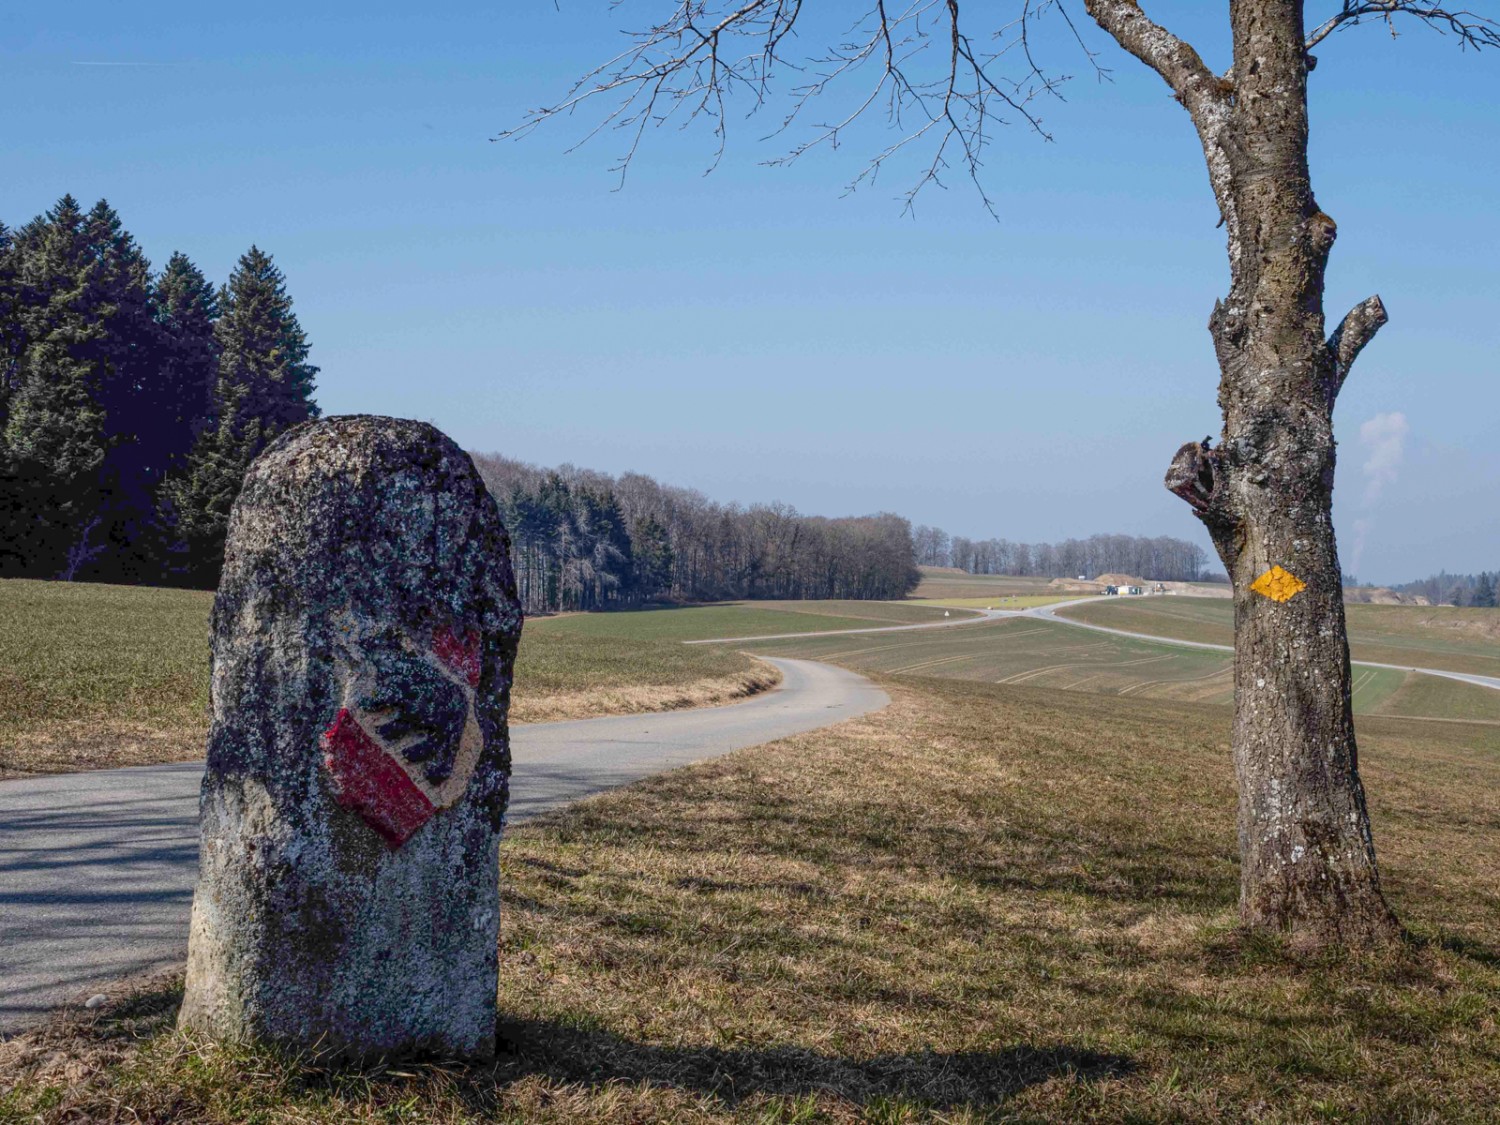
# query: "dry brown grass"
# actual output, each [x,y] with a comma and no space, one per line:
[981,904]
[98,744]
[628,699]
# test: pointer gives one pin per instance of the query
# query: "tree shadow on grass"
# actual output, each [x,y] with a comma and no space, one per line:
[588,1060]
[146,1006]
[939,1079]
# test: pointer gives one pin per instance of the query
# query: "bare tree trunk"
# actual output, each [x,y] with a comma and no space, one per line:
[80,552]
[1307,855]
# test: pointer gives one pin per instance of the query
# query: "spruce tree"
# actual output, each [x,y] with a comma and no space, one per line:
[11,336]
[1484,591]
[55,435]
[263,388]
[263,346]
[11,342]
[186,307]
[651,553]
[132,400]
[197,503]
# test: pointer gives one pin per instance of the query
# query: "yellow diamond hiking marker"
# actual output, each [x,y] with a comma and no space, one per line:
[1278,585]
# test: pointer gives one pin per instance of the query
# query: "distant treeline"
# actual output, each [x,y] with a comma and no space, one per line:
[1161,558]
[132,402]
[1456,589]
[585,540]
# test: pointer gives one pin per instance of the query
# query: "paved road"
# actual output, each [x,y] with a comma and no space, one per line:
[97,869]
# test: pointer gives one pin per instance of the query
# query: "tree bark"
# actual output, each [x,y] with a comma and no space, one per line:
[1265,494]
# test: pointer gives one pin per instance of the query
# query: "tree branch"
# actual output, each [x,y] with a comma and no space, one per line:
[1179,65]
[1202,93]
[1356,330]
[1473,30]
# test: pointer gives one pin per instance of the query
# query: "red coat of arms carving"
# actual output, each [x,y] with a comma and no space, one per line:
[406,739]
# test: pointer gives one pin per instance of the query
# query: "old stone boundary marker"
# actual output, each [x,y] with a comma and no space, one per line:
[364,636]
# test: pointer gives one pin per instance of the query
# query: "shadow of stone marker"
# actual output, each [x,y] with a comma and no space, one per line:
[364,637]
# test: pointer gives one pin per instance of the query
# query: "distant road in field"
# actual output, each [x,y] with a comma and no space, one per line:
[1050,613]
[972,617]
[97,869]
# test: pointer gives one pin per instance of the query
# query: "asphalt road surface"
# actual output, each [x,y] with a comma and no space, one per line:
[97,869]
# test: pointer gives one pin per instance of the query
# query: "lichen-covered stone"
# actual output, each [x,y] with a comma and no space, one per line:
[364,636]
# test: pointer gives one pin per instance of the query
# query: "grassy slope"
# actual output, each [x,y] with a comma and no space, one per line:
[100,676]
[566,676]
[1458,640]
[977,904]
[1041,653]
[738,619]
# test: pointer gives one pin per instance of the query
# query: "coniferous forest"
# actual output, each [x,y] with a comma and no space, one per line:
[132,401]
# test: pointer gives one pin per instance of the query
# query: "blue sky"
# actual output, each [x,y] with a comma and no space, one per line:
[755,333]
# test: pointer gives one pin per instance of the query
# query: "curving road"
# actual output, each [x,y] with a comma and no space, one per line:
[97,869]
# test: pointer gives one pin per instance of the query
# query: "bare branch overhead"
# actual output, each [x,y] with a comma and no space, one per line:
[914,61]
[1472,29]
[943,85]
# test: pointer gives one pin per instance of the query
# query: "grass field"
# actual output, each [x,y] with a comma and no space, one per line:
[101,676]
[985,903]
[1458,640]
[737,619]
[94,677]
[1046,654]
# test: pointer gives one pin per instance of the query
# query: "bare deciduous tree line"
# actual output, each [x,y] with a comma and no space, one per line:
[1160,558]
[586,540]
